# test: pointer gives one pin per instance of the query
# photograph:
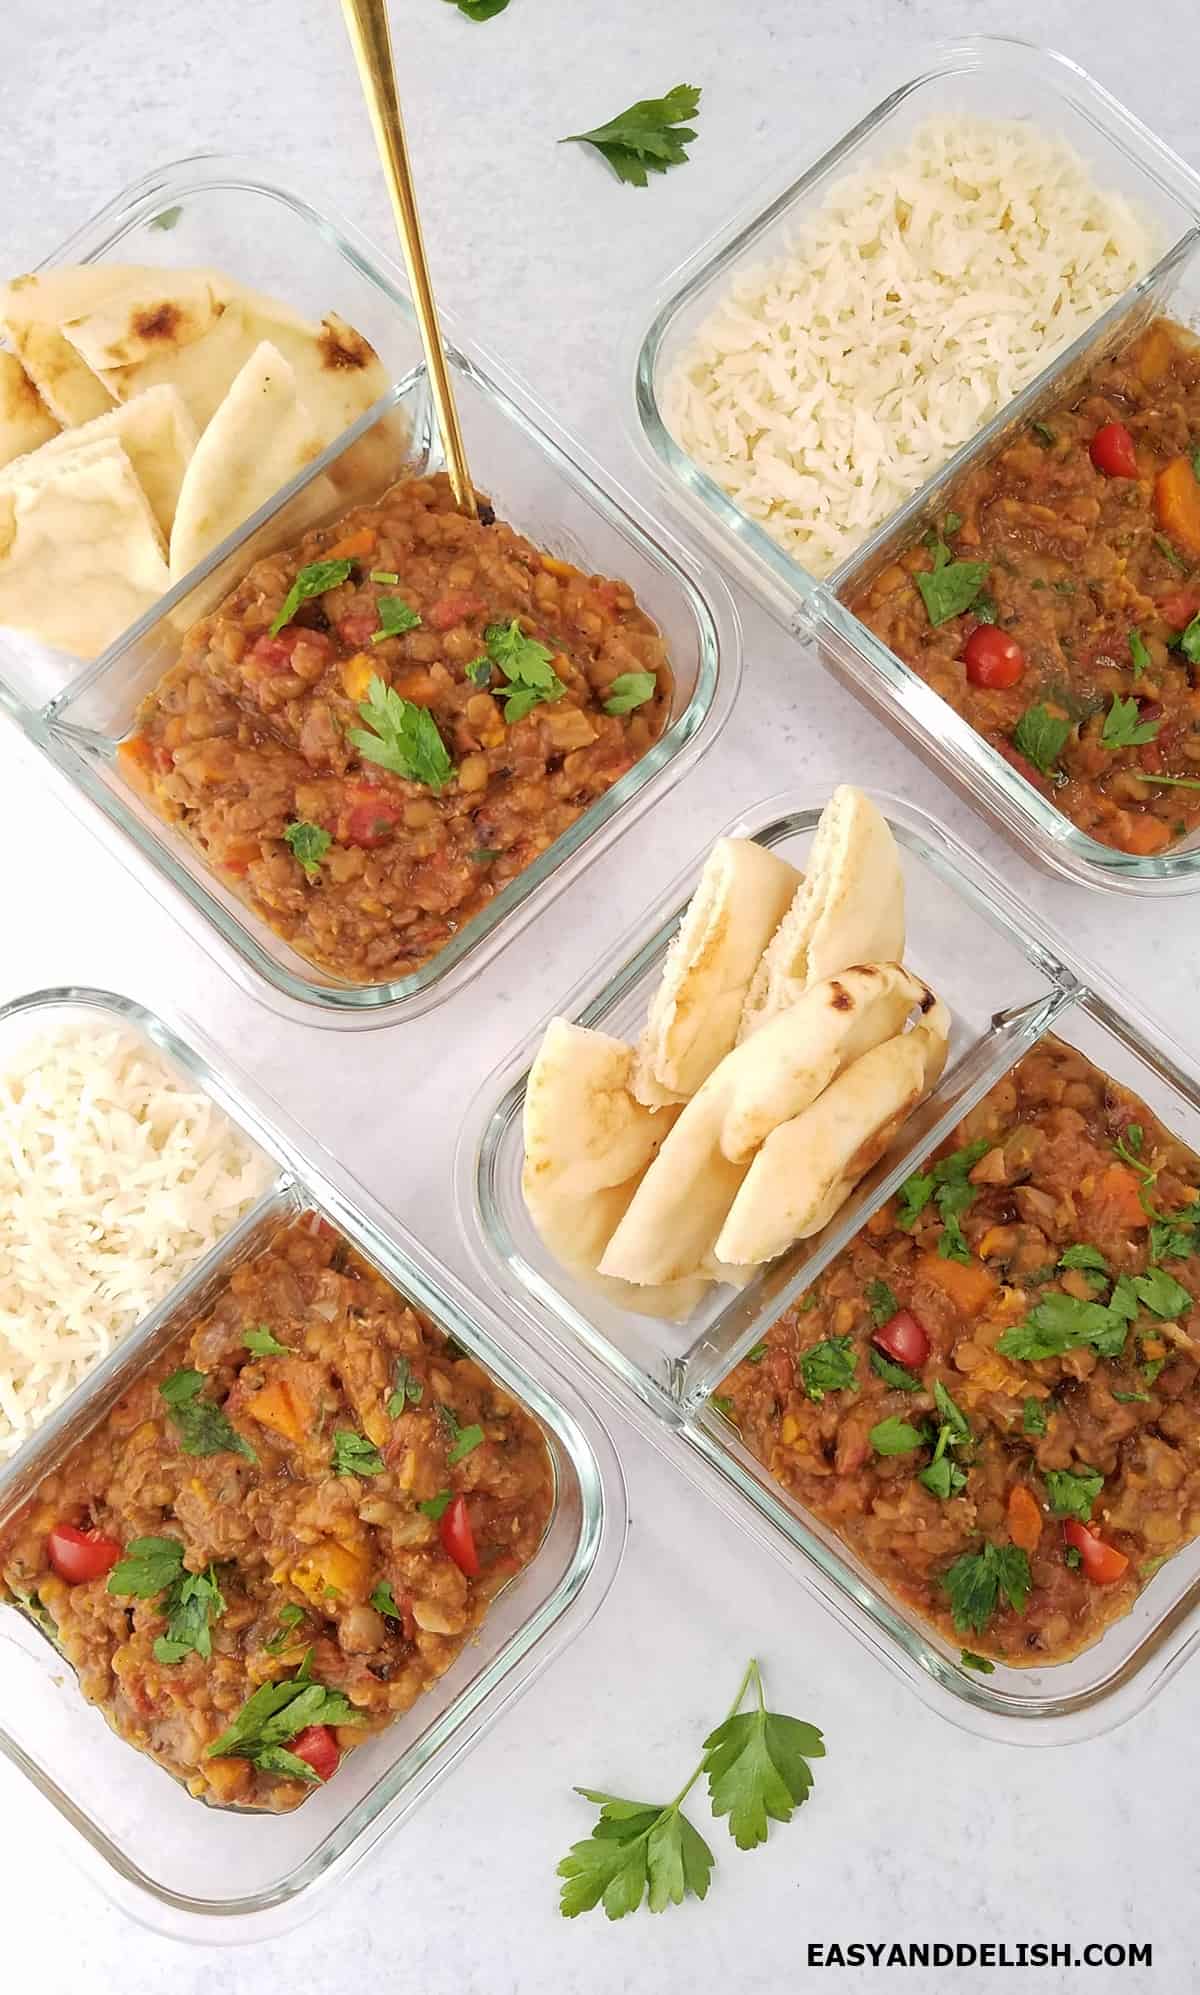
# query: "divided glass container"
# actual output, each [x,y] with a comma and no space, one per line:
[228,214]
[198,1872]
[1007,985]
[991,77]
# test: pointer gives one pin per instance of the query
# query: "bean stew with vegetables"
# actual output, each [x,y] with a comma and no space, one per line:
[993,1394]
[287,1528]
[375,733]
[1056,604]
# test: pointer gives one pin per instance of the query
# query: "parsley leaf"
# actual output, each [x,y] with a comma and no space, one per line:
[1131,1398]
[191,1603]
[480,10]
[1122,728]
[1033,1417]
[630,690]
[947,1183]
[201,1426]
[407,1389]
[1072,1557]
[950,587]
[309,844]
[1041,736]
[383,1600]
[464,1439]
[384,575]
[288,1620]
[436,1506]
[1089,1259]
[526,665]
[278,1712]
[1045,435]
[352,1455]
[953,1416]
[756,1353]
[148,1567]
[1189,642]
[1072,1492]
[1171,554]
[649,136]
[943,1478]
[953,1200]
[1139,654]
[167,219]
[395,617]
[1173,1237]
[882,1302]
[261,1342]
[968,1658]
[1062,1323]
[403,738]
[896,1437]
[479,671]
[828,1367]
[913,1196]
[976,1580]
[311,581]
[893,1374]
[757,1766]
[1161,1293]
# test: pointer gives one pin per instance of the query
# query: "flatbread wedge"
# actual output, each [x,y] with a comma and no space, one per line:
[146,313]
[32,310]
[808,1167]
[850,909]
[693,1019]
[25,421]
[156,433]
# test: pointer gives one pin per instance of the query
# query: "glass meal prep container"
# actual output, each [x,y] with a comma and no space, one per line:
[1007,984]
[229,215]
[994,77]
[207,1873]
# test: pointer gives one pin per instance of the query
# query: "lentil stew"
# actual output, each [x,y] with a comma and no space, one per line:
[993,1394]
[286,1530]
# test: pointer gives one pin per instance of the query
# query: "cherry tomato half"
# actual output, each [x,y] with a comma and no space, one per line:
[318,1748]
[1102,1563]
[78,1555]
[458,1537]
[904,1339]
[992,657]
[1112,451]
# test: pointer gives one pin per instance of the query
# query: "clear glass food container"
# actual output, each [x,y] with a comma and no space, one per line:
[211,1874]
[1007,984]
[993,77]
[230,215]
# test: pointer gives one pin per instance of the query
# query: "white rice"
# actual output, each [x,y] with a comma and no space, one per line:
[924,293]
[115,1176]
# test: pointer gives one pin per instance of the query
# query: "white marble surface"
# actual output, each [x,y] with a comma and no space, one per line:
[916,1830]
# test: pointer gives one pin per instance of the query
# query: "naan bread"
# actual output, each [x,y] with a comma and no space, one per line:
[808,1167]
[81,555]
[741,898]
[156,433]
[849,910]
[25,421]
[261,435]
[146,313]
[32,310]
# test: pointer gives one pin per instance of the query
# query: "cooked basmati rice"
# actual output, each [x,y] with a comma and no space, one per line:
[115,1177]
[922,295]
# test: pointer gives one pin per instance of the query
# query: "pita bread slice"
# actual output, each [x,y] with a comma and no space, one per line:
[260,436]
[156,433]
[738,904]
[850,909]
[808,1167]
[25,421]
[32,310]
[587,1143]
[82,556]
[146,313]
[678,1211]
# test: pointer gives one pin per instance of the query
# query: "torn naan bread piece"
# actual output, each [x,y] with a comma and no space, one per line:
[742,895]
[32,310]
[81,555]
[850,909]
[587,1144]
[807,1168]
[25,421]
[261,435]
[157,435]
[145,313]
[678,1211]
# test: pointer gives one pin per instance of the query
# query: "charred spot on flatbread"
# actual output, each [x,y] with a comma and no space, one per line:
[840,998]
[341,349]
[158,322]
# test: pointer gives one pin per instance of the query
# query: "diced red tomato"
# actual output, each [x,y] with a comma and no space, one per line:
[79,1555]
[992,657]
[458,1538]
[454,608]
[358,628]
[1113,452]
[904,1338]
[274,654]
[318,1748]
[371,823]
[1177,610]
[1102,1563]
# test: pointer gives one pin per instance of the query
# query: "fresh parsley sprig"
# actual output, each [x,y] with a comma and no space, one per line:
[311,581]
[402,737]
[202,1427]
[353,1454]
[947,1184]
[630,690]
[650,137]
[190,1602]
[277,1713]
[1122,727]
[949,587]
[975,1581]
[1040,736]
[480,10]
[527,666]
[757,1763]
[828,1367]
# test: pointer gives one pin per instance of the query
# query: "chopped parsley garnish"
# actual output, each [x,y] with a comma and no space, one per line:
[354,1455]
[148,1567]
[1173,1236]
[383,1600]
[630,690]
[309,844]
[1073,1492]
[1169,554]
[650,137]
[1033,1417]
[1072,1557]
[1161,1293]
[261,1342]
[526,665]
[278,1712]
[403,738]
[407,1389]
[1045,435]
[395,617]
[167,219]
[943,1477]
[464,1439]
[190,1602]
[1138,653]
[1122,728]
[1174,783]
[1062,1323]
[311,581]
[1131,1398]
[479,671]
[1089,1259]
[900,1379]
[1041,736]
[383,575]
[1189,642]
[985,609]
[976,1580]
[947,1184]
[896,1437]
[288,1620]
[480,10]
[950,587]
[756,1353]
[202,1427]
[435,1506]
[723,1404]
[828,1367]
[970,1660]
[483,855]
[882,1302]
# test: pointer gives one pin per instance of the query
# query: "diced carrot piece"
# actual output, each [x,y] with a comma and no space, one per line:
[279,1406]
[228,1779]
[357,674]
[1024,1518]
[1177,503]
[1154,355]
[1143,834]
[138,750]
[354,544]
[563,569]
[968,1283]
[1121,1188]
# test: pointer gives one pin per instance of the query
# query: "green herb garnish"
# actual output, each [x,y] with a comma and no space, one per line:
[403,738]
[650,137]
[395,617]
[882,1302]
[1033,1417]
[407,1389]
[900,1379]
[828,1367]
[1072,1557]
[976,1580]
[278,1712]
[970,1660]
[190,1601]
[1169,553]
[311,581]
[630,690]
[383,1601]
[756,1353]
[261,1342]
[527,666]
[480,10]
[950,587]
[896,1437]
[167,219]
[1062,1323]
[148,1567]
[947,1184]
[1160,1292]
[1041,736]
[354,1455]
[202,1427]
[1139,654]
[1122,729]
[383,576]
[436,1506]
[287,1620]
[1045,435]
[309,844]
[1073,1492]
